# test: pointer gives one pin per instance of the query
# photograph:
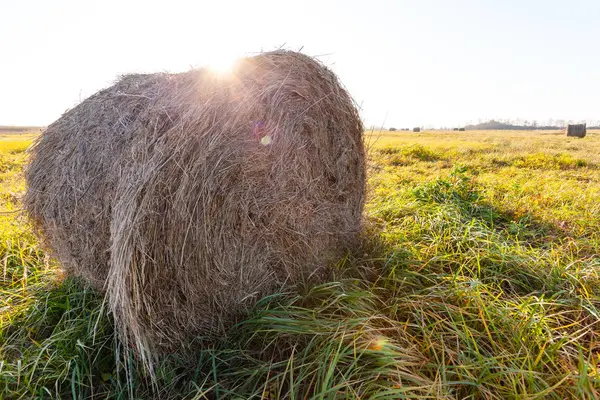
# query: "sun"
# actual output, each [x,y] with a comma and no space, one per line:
[221,63]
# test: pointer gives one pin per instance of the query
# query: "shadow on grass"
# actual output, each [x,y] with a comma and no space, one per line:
[460,192]
[59,343]
[62,344]
[449,228]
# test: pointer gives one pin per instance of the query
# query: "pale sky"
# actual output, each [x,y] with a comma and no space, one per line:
[409,63]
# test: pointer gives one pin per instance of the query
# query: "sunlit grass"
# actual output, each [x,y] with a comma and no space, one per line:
[478,277]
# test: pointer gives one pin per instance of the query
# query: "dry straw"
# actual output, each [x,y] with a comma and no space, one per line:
[189,196]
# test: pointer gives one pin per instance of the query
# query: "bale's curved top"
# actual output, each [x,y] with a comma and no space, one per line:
[189,196]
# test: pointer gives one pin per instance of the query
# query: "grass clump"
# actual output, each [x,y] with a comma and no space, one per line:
[549,161]
[404,155]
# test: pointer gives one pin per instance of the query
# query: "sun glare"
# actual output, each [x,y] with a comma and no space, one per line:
[221,63]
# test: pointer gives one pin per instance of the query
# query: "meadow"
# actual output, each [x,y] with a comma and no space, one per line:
[478,277]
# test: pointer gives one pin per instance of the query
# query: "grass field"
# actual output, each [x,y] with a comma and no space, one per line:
[478,277]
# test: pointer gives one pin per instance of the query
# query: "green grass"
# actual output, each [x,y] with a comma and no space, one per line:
[478,277]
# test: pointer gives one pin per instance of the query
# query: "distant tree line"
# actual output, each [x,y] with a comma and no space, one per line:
[18,129]
[504,124]
[528,125]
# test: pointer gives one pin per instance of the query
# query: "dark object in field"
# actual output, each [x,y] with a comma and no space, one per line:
[416,129]
[578,130]
[461,129]
[455,129]
[190,196]
[392,129]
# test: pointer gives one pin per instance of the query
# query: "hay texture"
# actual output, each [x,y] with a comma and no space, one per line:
[577,130]
[187,197]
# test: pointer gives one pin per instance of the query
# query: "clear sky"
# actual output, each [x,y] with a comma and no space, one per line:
[409,63]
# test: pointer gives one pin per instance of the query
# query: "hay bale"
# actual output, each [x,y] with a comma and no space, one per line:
[416,129]
[392,129]
[461,129]
[190,196]
[576,130]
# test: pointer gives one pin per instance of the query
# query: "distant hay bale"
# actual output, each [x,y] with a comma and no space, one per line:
[461,129]
[190,196]
[416,129]
[576,130]
[392,129]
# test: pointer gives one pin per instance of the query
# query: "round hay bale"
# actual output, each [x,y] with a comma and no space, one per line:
[190,196]
[576,130]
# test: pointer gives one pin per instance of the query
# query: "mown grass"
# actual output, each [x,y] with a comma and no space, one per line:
[478,277]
